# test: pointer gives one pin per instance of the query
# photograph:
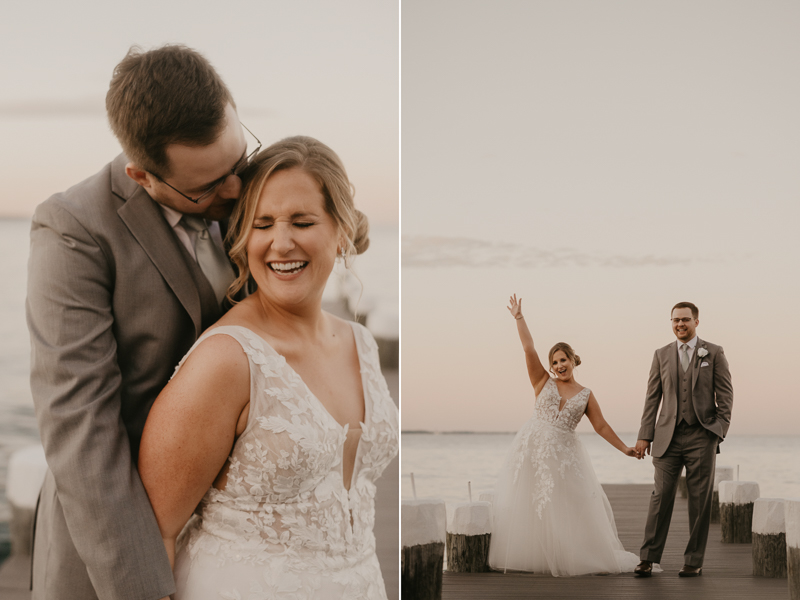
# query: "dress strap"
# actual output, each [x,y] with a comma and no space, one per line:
[247,340]
[241,334]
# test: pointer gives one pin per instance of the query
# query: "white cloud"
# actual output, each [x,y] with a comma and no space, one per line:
[438,251]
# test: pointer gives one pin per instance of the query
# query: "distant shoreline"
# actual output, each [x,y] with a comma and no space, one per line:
[428,432]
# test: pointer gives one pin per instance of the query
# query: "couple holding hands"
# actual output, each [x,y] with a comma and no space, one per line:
[551,514]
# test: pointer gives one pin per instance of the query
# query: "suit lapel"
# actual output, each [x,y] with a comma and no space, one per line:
[147,224]
[696,361]
[672,364]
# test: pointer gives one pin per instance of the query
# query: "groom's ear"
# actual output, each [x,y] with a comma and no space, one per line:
[139,175]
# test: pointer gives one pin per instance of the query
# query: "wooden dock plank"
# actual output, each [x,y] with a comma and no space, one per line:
[727,572]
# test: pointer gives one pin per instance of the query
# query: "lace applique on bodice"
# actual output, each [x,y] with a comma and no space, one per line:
[285,505]
[548,401]
[548,441]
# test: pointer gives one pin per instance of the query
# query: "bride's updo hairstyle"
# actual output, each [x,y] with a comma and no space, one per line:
[566,349]
[319,161]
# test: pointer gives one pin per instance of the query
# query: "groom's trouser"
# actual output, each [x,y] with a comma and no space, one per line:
[695,448]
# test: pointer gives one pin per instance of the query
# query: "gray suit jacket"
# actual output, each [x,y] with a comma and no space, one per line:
[712,393]
[114,302]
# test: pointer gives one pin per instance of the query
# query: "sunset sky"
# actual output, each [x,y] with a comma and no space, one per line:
[603,160]
[329,70]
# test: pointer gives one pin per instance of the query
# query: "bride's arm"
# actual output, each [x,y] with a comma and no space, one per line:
[190,431]
[603,429]
[536,371]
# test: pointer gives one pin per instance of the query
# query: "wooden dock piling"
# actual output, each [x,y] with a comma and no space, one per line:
[792,521]
[423,524]
[468,537]
[736,499]
[721,473]
[769,538]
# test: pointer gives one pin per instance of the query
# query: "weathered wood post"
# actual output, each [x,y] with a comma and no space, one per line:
[769,538]
[468,537]
[720,474]
[422,538]
[736,500]
[792,521]
[26,470]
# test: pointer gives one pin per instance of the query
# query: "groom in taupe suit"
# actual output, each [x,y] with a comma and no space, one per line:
[121,282]
[691,382]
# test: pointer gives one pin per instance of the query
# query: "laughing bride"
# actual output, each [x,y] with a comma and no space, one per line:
[551,514]
[278,422]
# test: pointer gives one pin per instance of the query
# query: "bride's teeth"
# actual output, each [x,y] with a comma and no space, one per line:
[287,267]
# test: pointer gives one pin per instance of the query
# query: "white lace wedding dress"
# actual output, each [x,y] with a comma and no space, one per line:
[550,513]
[285,526]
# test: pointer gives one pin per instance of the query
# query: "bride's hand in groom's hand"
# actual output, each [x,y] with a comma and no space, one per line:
[632,452]
[642,448]
[516,307]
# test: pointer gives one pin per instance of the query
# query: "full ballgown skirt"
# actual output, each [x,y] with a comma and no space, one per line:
[550,512]
[285,526]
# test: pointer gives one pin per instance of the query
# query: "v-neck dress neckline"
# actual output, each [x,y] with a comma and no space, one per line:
[568,400]
[322,409]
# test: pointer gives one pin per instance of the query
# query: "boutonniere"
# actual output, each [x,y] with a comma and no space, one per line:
[702,352]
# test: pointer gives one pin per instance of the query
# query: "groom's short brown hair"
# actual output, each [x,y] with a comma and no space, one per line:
[690,306]
[164,96]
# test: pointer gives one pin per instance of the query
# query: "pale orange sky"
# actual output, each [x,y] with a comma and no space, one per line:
[604,160]
[329,70]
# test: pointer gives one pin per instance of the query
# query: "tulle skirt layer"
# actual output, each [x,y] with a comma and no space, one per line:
[550,512]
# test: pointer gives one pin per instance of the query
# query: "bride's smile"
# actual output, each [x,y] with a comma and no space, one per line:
[288,267]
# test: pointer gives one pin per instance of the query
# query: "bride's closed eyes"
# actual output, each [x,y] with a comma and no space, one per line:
[266,224]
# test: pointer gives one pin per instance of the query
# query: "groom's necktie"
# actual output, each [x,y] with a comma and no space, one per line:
[685,357]
[212,259]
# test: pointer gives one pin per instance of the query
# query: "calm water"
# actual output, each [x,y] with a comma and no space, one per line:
[443,463]
[377,269]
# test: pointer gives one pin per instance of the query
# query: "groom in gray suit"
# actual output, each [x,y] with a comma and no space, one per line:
[126,270]
[691,381]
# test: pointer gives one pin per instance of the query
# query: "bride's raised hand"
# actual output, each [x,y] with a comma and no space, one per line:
[516,307]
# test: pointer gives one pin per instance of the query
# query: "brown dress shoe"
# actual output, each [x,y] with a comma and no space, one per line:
[644,569]
[688,571]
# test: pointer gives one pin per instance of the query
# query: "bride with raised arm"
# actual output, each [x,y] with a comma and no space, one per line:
[550,512]
[278,421]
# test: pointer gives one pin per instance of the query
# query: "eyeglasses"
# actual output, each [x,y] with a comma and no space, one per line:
[236,170]
[683,320]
